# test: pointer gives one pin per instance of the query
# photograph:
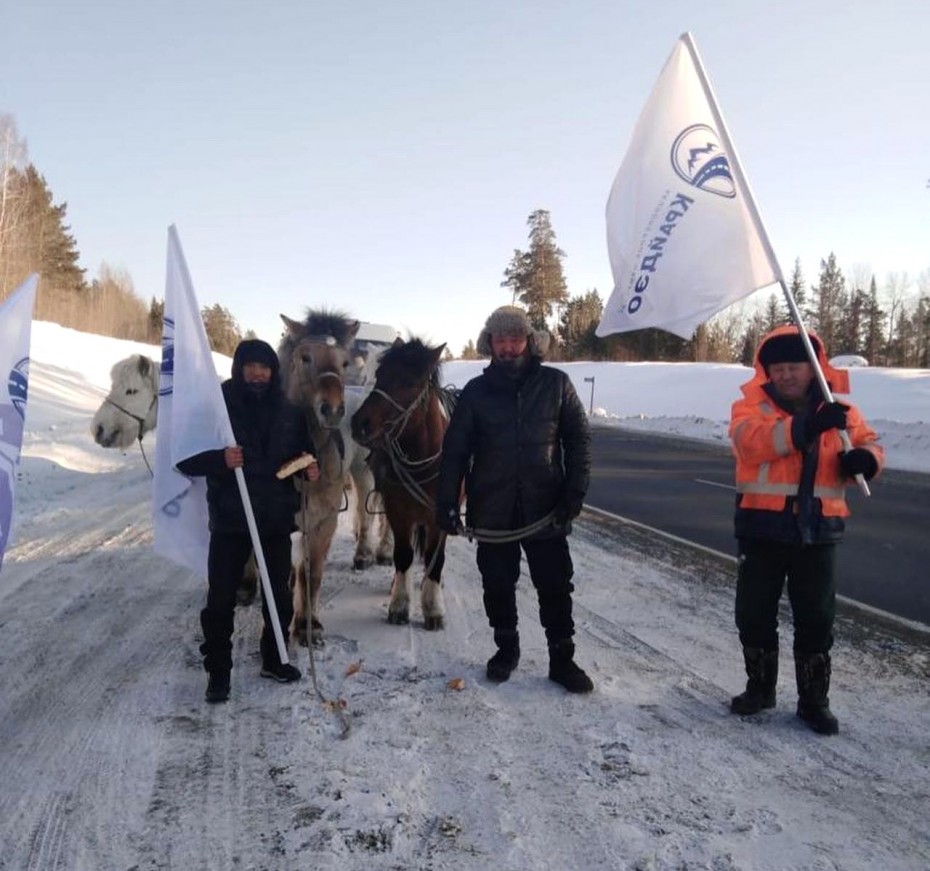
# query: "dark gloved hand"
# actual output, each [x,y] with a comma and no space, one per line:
[858,461]
[448,519]
[568,507]
[830,415]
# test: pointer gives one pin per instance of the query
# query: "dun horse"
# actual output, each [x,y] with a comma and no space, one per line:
[403,421]
[315,356]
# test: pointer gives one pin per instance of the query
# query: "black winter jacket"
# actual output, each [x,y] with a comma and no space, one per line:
[520,444]
[271,431]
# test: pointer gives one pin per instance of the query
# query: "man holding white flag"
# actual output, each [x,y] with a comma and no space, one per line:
[682,231]
[208,465]
[15,331]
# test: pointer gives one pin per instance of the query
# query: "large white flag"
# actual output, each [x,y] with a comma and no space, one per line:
[192,418]
[683,233]
[15,332]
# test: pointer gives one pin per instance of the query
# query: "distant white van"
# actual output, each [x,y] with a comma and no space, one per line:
[370,341]
[848,361]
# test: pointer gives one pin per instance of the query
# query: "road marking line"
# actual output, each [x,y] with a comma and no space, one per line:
[714,484]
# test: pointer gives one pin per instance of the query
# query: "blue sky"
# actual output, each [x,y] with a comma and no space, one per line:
[383,157]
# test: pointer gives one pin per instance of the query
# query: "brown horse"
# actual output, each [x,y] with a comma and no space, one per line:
[403,421]
[315,356]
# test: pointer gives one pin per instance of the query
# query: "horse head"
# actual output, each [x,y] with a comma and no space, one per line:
[131,408]
[406,374]
[315,356]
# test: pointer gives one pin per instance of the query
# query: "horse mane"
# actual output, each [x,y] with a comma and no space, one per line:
[415,356]
[317,323]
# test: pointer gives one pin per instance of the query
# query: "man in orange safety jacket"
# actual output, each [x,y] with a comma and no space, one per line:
[791,476]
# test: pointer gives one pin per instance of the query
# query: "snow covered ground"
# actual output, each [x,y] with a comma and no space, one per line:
[110,759]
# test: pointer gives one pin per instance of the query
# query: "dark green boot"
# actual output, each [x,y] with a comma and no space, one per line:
[564,671]
[762,673]
[813,675]
[507,657]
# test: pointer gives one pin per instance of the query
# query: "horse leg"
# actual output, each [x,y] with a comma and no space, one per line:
[399,606]
[248,586]
[431,598]
[319,549]
[384,551]
[298,591]
[364,558]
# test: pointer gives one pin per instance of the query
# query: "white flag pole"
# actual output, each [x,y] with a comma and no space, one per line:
[743,183]
[262,567]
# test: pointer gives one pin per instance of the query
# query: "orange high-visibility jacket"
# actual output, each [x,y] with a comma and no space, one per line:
[768,465]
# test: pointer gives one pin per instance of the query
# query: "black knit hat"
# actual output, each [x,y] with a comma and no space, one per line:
[254,351]
[785,348]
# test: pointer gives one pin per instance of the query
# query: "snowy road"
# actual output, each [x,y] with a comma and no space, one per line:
[111,759]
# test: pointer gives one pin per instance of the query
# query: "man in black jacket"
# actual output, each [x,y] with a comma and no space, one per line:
[269,431]
[519,438]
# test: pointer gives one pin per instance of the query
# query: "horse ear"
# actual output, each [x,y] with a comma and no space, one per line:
[436,354]
[352,331]
[295,328]
[397,342]
[145,366]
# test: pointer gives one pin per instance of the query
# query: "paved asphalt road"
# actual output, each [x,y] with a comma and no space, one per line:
[685,487]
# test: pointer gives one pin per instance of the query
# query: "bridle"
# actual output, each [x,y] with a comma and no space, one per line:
[411,474]
[140,420]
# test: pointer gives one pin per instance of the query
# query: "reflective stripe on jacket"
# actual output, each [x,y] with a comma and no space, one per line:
[768,461]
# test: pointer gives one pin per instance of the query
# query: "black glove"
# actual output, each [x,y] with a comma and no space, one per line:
[568,507]
[858,461]
[830,415]
[448,519]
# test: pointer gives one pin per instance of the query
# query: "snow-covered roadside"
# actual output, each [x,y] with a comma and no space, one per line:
[111,759]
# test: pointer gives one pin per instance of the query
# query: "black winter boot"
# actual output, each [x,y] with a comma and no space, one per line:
[813,675]
[218,687]
[564,671]
[505,660]
[762,670]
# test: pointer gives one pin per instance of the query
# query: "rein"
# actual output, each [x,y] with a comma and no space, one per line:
[408,472]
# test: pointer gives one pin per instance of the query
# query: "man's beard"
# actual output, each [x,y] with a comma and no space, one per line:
[511,366]
[257,389]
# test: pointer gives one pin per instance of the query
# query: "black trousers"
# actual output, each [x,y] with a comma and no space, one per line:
[551,571]
[810,572]
[227,558]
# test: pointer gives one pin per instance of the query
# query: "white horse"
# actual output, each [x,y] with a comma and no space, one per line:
[131,407]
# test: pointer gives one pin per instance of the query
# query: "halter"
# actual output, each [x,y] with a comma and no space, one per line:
[139,420]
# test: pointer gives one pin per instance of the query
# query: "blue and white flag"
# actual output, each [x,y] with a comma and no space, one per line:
[15,333]
[683,233]
[192,418]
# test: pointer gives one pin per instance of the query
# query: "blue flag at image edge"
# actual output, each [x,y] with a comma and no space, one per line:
[15,333]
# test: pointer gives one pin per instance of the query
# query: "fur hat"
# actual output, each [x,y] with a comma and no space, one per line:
[511,320]
[254,351]
[785,348]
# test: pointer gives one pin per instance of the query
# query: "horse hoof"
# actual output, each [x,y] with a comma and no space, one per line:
[398,618]
[384,560]
[360,563]
[431,624]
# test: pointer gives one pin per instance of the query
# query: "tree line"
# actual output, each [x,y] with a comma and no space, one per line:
[889,326]
[35,237]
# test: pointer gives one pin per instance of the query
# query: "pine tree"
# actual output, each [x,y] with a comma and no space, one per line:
[873,340]
[577,325]
[831,302]
[798,292]
[535,276]
[156,321]
[222,330]
[469,352]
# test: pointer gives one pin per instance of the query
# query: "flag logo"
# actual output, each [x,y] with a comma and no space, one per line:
[18,385]
[166,383]
[699,159]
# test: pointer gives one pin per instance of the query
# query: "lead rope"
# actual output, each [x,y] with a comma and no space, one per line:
[333,704]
